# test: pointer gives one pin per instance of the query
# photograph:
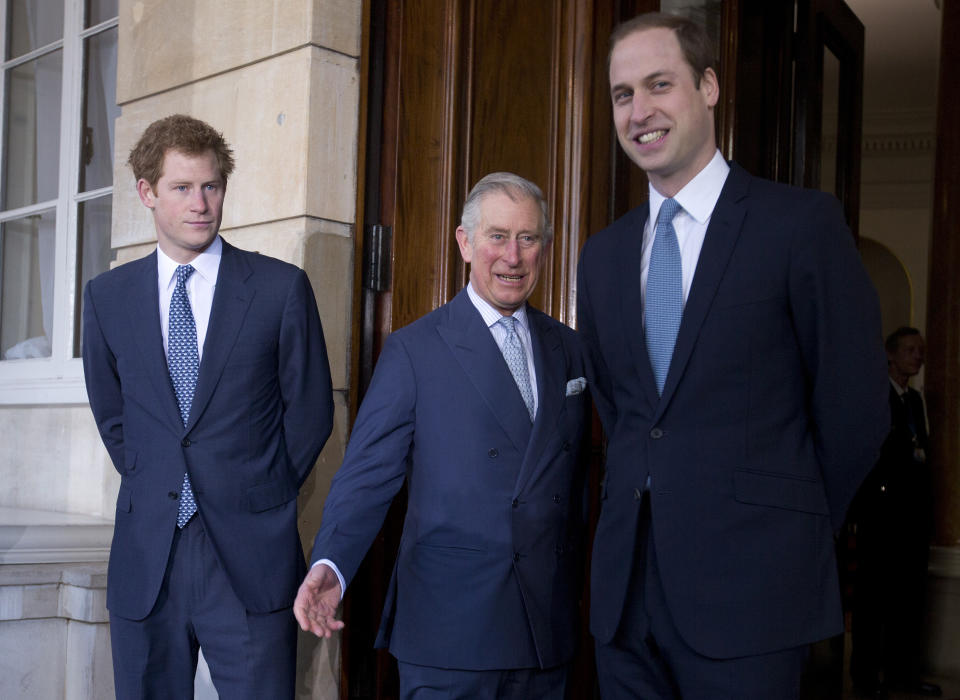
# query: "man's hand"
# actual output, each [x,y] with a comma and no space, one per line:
[317,602]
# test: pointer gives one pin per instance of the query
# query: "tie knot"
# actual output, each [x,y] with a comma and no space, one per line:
[509,323]
[183,273]
[668,210]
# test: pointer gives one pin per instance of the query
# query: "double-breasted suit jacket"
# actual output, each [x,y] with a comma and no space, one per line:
[261,412]
[486,574]
[772,413]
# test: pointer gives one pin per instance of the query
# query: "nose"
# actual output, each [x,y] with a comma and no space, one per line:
[640,107]
[511,252]
[198,200]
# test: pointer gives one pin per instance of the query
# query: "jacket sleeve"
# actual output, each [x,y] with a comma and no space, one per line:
[102,381]
[374,466]
[304,376]
[836,316]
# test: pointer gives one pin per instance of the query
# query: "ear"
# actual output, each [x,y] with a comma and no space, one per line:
[710,87]
[146,193]
[466,250]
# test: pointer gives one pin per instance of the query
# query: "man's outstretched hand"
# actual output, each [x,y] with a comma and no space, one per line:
[317,602]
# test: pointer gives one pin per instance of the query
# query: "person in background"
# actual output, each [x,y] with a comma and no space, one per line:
[893,516]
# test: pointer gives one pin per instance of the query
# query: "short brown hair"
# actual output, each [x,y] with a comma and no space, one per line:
[696,45]
[178,132]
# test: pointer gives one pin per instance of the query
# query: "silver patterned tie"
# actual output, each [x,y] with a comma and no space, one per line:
[516,358]
[183,361]
[663,301]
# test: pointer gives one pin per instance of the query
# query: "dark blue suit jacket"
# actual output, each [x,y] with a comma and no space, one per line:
[260,416]
[772,413]
[486,575]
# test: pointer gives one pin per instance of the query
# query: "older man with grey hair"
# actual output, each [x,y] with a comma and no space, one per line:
[480,407]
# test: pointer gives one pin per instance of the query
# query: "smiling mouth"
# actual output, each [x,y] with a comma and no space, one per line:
[651,136]
[510,278]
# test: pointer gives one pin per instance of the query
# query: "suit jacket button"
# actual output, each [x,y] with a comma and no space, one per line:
[559,549]
[185,442]
[516,556]
[656,433]
[174,495]
[493,452]
[515,503]
[566,446]
[556,498]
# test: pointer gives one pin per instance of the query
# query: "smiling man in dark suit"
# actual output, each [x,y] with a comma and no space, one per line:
[739,381]
[480,407]
[208,378]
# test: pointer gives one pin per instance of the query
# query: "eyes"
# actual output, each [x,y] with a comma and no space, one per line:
[207,187]
[525,240]
[625,95]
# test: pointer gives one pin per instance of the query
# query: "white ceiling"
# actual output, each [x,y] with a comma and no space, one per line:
[902,56]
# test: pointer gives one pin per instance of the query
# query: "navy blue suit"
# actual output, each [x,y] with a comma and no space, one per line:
[772,413]
[486,574]
[261,412]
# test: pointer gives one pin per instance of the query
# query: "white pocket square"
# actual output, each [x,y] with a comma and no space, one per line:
[576,386]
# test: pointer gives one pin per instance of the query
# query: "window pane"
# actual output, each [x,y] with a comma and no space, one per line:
[32,24]
[100,11]
[99,111]
[94,253]
[32,141]
[26,286]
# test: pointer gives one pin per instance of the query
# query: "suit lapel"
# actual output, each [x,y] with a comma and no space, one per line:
[548,359]
[144,318]
[721,238]
[477,353]
[231,299]
[631,302]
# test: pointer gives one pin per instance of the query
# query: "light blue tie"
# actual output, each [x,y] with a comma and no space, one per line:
[663,302]
[183,361]
[516,358]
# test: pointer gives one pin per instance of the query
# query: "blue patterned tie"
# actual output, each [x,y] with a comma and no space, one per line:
[516,359]
[663,302]
[183,361]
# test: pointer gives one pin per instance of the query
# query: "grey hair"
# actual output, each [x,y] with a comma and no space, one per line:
[516,188]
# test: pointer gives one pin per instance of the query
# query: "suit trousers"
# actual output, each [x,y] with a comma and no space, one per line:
[430,683]
[648,658]
[250,655]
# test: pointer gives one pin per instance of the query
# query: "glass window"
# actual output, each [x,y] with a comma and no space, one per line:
[33,24]
[100,11]
[32,140]
[26,322]
[56,187]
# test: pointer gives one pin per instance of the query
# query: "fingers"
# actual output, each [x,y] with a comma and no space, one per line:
[315,608]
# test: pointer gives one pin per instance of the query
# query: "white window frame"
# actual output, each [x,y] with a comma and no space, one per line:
[57,379]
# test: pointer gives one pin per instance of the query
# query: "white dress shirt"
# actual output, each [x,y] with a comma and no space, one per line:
[698,199]
[200,288]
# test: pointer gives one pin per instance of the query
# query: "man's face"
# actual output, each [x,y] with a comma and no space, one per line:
[908,357]
[507,251]
[187,203]
[664,122]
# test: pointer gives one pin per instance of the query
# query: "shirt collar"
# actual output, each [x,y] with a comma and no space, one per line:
[490,315]
[699,196]
[206,264]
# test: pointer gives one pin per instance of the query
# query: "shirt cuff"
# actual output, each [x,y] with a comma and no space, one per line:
[333,567]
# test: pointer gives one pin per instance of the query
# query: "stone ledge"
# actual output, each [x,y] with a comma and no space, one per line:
[39,537]
[76,592]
